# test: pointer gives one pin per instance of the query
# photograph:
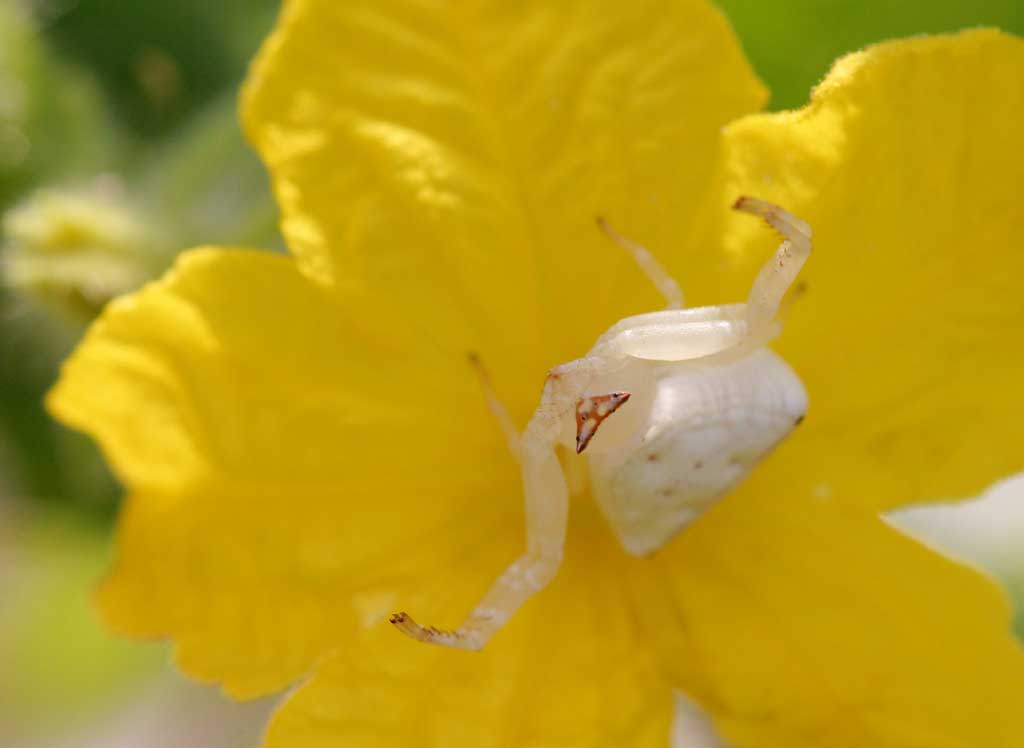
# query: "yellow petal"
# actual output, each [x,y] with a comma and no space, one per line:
[456,155]
[813,625]
[571,669]
[908,164]
[283,453]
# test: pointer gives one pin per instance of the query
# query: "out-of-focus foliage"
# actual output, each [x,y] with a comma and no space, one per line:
[209,185]
[58,652]
[792,43]
[160,62]
[52,116]
[53,125]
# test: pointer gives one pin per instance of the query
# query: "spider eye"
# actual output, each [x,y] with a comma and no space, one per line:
[591,412]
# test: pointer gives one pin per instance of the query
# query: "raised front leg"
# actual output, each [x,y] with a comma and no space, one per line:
[781,270]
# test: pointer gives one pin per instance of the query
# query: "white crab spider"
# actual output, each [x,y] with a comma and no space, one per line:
[706,401]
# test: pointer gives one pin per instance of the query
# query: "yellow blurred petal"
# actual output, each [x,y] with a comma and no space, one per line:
[456,155]
[285,455]
[810,625]
[570,670]
[908,164]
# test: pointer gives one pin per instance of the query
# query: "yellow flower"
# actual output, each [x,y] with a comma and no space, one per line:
[307,450]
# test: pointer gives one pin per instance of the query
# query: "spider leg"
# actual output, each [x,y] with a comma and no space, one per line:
[665,283]
[497,407]
[780,271]
[547,516]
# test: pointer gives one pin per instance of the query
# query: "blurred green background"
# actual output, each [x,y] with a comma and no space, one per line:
[119,147]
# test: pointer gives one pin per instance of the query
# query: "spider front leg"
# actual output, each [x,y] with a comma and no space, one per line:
[547,516]
[781,270]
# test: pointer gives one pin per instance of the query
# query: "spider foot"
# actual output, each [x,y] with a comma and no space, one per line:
[431,634]
[781,220]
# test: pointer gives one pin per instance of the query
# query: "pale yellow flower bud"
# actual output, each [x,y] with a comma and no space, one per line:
[78,248]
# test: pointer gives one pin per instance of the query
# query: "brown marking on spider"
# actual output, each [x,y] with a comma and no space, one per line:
[591,412]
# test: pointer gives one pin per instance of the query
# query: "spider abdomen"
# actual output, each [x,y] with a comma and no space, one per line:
[707,427]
